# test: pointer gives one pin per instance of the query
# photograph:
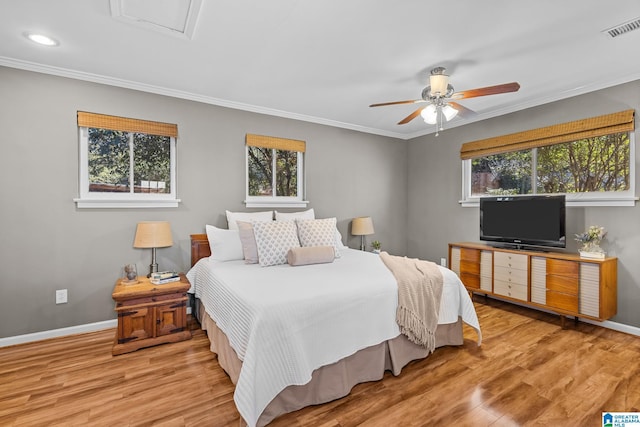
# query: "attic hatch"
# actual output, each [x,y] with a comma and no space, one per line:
[623,28]
[174,17]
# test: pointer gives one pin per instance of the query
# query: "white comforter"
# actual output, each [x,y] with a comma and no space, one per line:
[284,322]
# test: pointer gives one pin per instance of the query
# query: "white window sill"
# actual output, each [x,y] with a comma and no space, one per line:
[115,203]
[271,203]
[581,201]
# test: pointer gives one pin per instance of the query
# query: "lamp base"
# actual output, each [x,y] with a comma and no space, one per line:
[362,245]
[153,268]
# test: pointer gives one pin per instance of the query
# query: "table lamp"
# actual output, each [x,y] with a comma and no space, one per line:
[362,226]
[153,234]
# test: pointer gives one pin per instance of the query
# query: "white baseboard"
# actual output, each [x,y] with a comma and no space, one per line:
[55,333]
[620,327]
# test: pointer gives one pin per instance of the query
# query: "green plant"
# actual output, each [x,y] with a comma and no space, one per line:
[376,245]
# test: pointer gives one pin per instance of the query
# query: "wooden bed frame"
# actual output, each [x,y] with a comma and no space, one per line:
[199,247]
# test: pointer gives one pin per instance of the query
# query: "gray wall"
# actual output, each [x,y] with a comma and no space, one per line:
[435,218]
[48,244]
[411,189]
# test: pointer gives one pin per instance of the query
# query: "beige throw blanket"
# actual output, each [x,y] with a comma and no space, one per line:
[419,292]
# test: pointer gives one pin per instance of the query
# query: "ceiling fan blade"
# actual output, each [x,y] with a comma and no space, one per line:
[411,116]
[462,110]
[489,90]
[411,101]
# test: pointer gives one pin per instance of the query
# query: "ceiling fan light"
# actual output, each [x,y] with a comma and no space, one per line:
[430,114]
[449,112]
[439,83]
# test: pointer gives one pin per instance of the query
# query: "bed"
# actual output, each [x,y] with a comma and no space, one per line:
[287,346]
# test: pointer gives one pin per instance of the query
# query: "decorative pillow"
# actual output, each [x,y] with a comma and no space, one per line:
[288,216]
[311,255]
[318,232]
[274,239]
[232,217]
[225,244]
[248,241]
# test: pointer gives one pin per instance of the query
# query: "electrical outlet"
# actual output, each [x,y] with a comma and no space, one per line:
[61,296]
[443,262]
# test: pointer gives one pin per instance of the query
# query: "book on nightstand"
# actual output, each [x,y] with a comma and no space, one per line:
[165,281]
[162,277]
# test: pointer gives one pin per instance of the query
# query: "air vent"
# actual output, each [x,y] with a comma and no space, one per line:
[621,29]
[174,17]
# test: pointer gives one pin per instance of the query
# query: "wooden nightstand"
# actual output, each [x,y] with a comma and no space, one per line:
[150,314]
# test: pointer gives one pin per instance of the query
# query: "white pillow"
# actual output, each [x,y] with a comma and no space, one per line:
[225,244]
[339,243]
[232,217]
[288,216]
[274,239]
[318,232]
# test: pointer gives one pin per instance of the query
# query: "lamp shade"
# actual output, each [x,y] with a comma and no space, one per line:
[362,226]
[439,83]
[430,114]
[153,234]
[449,112]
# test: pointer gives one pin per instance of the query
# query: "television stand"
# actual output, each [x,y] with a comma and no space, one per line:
[562,283]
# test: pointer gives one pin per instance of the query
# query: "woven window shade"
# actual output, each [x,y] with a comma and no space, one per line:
[102,121]
[275,143]
[550,135]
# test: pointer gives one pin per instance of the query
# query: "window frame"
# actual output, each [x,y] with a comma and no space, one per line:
[601,198]
[89,199]
[276,144]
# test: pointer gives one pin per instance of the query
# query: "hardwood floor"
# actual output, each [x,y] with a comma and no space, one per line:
[528,371]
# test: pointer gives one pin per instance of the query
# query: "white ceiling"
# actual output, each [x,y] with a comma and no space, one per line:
[326,61]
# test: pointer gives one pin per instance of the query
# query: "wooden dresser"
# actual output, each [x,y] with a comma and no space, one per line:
[562,283]
[150,314]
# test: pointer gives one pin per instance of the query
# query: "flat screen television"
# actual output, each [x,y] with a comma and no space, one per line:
[524,220]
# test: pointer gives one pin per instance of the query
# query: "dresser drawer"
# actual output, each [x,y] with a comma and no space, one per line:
[469,267]
[510,290]
[470,280]
[560,267]
[513,275]
[562,301]
[468,254]
[565,284]
[507,259]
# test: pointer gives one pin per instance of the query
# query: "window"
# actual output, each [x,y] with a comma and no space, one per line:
[126,162]
[274,172]
[591,161]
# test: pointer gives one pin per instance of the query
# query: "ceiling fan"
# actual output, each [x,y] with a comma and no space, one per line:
[441,98]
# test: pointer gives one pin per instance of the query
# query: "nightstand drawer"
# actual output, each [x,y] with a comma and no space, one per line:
[152,300]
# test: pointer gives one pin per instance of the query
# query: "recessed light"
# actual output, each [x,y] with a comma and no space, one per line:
[42,39]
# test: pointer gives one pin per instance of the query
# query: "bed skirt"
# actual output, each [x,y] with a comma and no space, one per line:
[332,381]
